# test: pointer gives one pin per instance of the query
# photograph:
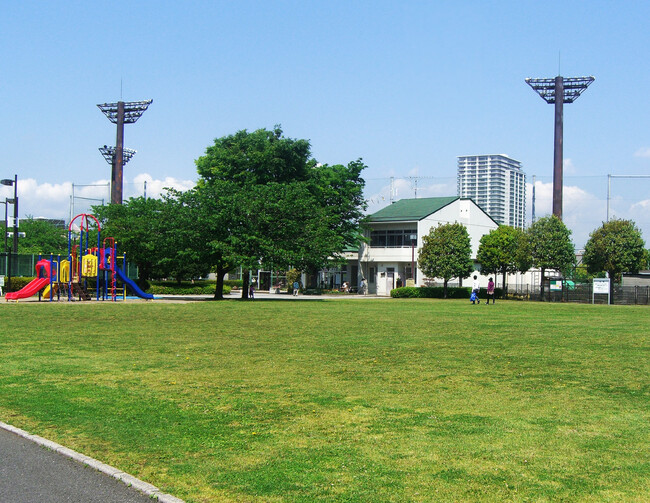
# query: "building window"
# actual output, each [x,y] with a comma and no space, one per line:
[392,238]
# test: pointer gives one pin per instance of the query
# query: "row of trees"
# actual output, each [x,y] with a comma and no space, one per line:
[261,201]
[615,247]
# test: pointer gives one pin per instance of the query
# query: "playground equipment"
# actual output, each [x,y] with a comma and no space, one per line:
[88,272]
[45,273]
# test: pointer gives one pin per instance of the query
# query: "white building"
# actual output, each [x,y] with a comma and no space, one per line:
[497,184]
[395,234]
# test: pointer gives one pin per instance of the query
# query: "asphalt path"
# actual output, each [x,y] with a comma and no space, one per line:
[31,473]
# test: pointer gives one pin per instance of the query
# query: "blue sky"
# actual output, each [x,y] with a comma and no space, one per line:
[407,86]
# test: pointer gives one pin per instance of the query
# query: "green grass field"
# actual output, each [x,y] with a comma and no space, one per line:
[342,400]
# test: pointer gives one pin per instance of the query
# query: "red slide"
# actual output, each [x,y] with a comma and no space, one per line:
[31,288]
[35,285]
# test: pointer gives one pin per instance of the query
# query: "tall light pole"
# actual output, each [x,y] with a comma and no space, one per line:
[9,182]
[121,113]
[569,89]
[5,202]
[109,154]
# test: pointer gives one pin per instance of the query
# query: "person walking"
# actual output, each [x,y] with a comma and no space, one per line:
[490,291]
[296,287]
[251,291]
[475,289]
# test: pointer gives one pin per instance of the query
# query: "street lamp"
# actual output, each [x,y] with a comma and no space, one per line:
[5,202]
[9,182]
[414,238]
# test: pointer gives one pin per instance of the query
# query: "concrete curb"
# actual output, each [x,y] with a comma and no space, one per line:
[129,480]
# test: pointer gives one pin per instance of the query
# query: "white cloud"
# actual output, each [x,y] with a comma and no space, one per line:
[582,211]
[155,188]
[642,152]
[56,200]
[641,206]
[568,167]
[405,188]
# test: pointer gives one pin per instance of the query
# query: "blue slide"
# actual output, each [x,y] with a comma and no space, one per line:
[136,289]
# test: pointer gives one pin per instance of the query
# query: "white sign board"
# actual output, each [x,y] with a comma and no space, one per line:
[601,285]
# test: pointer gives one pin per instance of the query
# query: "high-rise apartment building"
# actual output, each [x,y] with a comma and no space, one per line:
[497,184]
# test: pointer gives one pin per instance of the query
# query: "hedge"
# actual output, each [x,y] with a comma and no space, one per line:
[154,287]
[437,292]
[17,282]
[184,289]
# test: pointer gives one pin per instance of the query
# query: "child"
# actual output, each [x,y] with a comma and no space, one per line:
[475,289]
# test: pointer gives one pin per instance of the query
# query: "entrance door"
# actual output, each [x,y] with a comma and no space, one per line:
[354,276]
[390,280]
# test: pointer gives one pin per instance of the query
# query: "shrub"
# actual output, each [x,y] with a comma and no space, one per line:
[233,283]
[202,287]
[437,292]
[155,287]
[17,282]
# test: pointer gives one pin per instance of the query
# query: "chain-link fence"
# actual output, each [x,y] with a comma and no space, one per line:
[581,293]
[21,265]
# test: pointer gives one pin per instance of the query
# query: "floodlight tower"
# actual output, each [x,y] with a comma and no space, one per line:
[569,89]
[109,154]
[121,113]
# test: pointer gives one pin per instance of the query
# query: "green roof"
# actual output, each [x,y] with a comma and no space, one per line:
[411,209]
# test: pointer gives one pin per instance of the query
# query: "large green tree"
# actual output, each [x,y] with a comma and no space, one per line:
[137,226]
[550,247]
[206,212]
[446,253]
[42,237]
[504,250]
[615,247]
[277,207]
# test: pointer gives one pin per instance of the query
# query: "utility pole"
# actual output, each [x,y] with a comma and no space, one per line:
[533,198]
[609,186]
[558,91]
[12,256]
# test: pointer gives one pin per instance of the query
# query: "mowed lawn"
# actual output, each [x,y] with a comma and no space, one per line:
[349,400]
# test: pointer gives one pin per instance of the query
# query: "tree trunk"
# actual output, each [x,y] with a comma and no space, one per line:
[246,275]
[541,286]
[444,289]
[218,292]
[505,286]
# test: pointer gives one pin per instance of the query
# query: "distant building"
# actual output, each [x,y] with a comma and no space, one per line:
[497,184]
